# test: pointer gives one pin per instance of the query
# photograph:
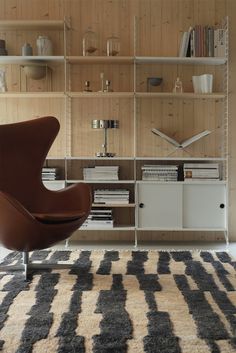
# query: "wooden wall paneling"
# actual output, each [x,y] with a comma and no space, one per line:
[205,11]
[9,9]
[74,40]
[123,217]
[163,236]
[32,9]
[20,109]
[145,140]
[84,110]
[185,17]
[169,28]
[221,11]
[203,147]
[188,118]
[115,237]
[149,28]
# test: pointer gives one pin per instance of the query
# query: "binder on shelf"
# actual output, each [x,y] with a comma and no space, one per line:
[183,144]
[219,42]
[185,42]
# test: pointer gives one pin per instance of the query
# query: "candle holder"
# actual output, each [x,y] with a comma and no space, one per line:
[105,125]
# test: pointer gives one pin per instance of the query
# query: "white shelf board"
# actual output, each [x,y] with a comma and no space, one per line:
[149,158]
[183,229]
[182,182]
[180,159]
[30,60]
[187,95]
[180,60]
[32,95]
[100,94]
[184,95]
[31,24]
[129,205]
[116,228]
[101,181]
[100,59]
[50,158]
[101,158]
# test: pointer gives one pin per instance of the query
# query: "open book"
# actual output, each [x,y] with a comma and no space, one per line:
[184,143]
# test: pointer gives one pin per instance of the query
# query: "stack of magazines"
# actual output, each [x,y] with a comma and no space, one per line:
[49,174]
[160,172]
[101,173]
[201,171]
[99,219]
[111,196]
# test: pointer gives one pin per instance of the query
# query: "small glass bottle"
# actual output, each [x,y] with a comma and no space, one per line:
[113,46]
[90,43]
[178,88]
[87,86]
[108,86]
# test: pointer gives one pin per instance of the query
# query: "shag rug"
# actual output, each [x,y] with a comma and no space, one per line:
[121,301]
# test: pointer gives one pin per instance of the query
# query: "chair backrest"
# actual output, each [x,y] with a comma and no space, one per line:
[23,149]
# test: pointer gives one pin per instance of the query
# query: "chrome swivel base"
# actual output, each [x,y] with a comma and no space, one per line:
[26,266]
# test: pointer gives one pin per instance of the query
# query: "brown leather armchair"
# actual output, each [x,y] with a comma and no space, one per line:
[31,216]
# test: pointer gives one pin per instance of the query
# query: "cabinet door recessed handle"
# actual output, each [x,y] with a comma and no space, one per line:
[222,205]
[141,205]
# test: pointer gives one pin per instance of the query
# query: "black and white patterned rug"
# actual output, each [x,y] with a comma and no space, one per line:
[121,301]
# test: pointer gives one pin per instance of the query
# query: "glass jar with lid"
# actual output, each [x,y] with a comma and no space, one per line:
[90,42]
[113,46]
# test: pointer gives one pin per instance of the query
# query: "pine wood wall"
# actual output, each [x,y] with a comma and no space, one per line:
[160,24]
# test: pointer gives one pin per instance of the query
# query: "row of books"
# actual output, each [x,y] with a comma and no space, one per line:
[160,172]
[201,171]
[99,218]
[203,41]
[49,174]
[111,196]
[101,173]
[189,171]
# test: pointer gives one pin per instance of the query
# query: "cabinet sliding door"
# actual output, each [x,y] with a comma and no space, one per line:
[160,205]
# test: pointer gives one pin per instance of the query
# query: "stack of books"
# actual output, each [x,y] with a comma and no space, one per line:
[99,219]
[160,172]
[49,174]
[101,173]
[111,196]
[201,171]
[203,41]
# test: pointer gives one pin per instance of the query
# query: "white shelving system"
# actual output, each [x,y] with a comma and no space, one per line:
[156,206]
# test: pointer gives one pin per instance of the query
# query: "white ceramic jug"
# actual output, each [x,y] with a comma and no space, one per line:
[44,46]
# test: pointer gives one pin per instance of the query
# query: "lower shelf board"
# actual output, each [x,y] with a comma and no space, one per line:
[132,228]
[181,229]
[97,205]
[116,229]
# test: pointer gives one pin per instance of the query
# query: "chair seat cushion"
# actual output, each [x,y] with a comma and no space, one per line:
[58,217]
